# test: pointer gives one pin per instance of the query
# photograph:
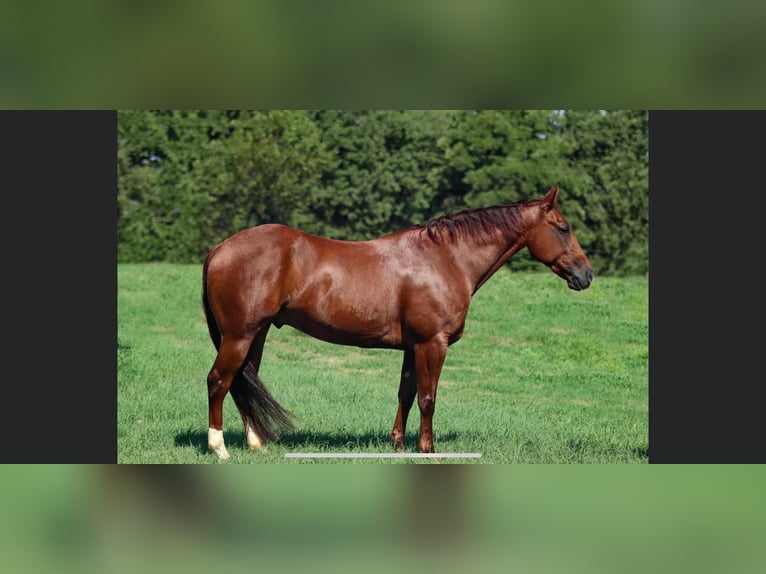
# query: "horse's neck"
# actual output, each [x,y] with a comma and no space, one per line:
[480,259]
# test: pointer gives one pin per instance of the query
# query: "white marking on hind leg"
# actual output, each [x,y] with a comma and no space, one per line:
[215,443]
[253,440]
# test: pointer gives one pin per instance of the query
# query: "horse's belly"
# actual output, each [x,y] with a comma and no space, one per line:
[344,328]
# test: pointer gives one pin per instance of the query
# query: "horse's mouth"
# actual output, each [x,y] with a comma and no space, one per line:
[574,284]
[577,279]
[577,282]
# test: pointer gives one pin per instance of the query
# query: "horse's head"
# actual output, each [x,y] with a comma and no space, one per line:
[551,241]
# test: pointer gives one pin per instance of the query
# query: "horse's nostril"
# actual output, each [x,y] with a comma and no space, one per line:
[590,275]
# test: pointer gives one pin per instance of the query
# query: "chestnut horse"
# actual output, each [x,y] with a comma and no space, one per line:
[408,290]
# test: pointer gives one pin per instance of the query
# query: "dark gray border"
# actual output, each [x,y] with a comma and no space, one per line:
[59,388]
[706,235]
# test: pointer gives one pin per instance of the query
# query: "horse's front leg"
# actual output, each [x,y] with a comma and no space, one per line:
[429,358]
[407,390]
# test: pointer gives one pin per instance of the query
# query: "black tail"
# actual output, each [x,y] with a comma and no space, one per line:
[212,326]
[263,413]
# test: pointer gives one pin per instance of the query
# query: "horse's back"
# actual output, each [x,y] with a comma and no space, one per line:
[280,259]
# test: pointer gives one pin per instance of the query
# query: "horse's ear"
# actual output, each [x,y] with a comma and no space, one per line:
[549,201]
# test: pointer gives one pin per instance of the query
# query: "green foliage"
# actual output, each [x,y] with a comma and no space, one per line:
[386,172]
[188,179]
[611,150]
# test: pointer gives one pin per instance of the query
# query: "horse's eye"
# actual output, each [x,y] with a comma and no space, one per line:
[564,228]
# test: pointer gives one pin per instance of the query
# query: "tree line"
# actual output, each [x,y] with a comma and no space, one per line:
[188,179]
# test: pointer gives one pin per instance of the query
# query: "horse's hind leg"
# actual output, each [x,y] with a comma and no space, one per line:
[407,391]
[254,441]
[231,356]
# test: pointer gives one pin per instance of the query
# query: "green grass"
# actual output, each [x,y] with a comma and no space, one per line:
[543,374]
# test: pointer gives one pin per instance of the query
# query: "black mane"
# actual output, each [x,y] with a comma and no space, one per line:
[480,223]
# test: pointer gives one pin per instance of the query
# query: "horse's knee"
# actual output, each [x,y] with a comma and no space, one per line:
[407,397]
[216,386]
[426,403]
[213,379]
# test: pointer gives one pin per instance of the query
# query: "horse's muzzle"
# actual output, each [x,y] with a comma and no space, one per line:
[580,279]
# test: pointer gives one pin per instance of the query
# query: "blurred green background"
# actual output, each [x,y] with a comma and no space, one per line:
[486,54]
[437,518]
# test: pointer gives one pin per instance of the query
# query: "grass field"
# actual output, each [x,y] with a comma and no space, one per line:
[542,375]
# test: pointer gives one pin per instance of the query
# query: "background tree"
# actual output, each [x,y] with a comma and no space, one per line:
[188,179]
[386,170]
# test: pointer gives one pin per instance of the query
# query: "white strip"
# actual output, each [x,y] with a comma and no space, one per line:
[382,455]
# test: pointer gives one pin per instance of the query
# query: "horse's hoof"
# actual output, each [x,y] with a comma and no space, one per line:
[254,442]
[222,453]
[398,443]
